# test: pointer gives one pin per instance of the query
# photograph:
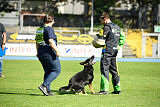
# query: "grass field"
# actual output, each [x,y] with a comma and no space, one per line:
[140,84]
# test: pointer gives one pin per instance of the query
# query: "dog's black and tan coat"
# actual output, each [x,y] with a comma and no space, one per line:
[81,79]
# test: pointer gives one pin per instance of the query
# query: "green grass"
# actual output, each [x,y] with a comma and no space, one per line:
[140,83]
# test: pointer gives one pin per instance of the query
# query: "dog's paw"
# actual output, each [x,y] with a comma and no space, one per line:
[93,92]
[83,94]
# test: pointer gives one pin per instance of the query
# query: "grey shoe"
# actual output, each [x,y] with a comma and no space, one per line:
[43,89]
[50,93]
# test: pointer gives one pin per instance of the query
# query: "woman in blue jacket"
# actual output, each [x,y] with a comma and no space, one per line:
[48,54]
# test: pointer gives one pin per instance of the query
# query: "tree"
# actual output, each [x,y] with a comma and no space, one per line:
[143,6]
[99,7]
[6,7]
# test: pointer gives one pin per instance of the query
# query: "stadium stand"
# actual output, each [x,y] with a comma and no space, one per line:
[134,40]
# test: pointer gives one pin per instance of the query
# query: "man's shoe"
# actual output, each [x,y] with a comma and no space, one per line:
[43,89]
[116,92]
[1,75]
[50,93]
[102,93]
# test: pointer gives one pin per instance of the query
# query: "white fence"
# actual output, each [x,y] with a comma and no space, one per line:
[65,50]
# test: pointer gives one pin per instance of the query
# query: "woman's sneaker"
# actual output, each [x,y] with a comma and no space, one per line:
[43,89]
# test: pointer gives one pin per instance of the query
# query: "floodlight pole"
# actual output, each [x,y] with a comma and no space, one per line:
[19,12]
[92,17]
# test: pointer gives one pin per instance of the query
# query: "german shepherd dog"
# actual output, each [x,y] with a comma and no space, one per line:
[81,79]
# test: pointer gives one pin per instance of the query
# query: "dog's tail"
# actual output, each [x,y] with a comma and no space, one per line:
[65,88]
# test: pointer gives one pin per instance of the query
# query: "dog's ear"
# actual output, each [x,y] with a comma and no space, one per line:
[84,63]
[81,63]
